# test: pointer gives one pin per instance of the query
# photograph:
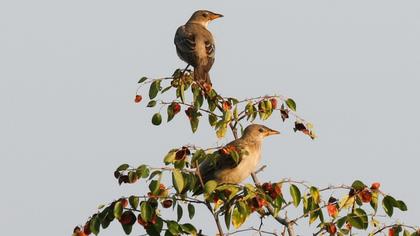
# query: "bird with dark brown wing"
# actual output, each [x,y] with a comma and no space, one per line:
[195,44]
[226,170]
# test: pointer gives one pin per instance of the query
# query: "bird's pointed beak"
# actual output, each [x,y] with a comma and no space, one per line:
[215,16]
[271,132]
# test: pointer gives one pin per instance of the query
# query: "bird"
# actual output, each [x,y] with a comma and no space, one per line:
[224,169]
[195,44]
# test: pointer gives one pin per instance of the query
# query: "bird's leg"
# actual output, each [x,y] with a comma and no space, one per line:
[186,68]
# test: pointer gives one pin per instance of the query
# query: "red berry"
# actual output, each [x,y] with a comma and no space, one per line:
[267,187]
[167,203]
[331,228]
[176,107]
[365,195]
[391,232]
[86,228]
[127,218]
[273,103]
[124,202]
[138,98]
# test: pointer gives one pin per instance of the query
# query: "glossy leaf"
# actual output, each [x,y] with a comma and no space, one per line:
[157,119]
[134,201]
[151,103]
[123,167]
[145,211]
[291,104]
[179,212]
[358,185]
[315,194]
[296,195]
[388,205]
[142,79]
[154,89]
[210,186]
[191,210]
[95,225]
[118,210]
[178,180]
[189,229]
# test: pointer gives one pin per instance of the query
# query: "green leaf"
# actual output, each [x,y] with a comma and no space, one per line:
[358,219]
[401,205]
[191,210]
[127,229]
[154,186]
[142,171]
[173,227]
[228,217]
[210,186]
[134,201]
[194,123]
[212,119]
[179,212]
[155,173]
[123,167]
[157,119]
[388,205]
[154,89]
[95,225]
[142,79]
[315,194]
[170,157]
[291,104]
[189,229]
[374,201]
[178,180]
[145,211]
[171,113]
[118,210]
[358,185]
[296,195]
[151,103]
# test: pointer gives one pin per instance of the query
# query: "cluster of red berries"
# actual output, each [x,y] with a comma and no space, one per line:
[273,190]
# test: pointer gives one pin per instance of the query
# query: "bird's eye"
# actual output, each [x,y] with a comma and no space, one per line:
[261,130]
[205,14]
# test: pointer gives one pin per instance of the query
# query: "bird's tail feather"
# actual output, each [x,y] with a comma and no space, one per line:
[201,75]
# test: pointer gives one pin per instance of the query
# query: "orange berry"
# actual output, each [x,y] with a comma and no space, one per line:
[391,232]
[138,98]
[375,186]
[332,209]
[227,106]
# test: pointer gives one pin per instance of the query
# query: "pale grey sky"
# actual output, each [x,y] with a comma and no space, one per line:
[69,71]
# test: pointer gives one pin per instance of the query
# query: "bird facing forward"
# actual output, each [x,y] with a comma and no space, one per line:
[224,169]
[195,44]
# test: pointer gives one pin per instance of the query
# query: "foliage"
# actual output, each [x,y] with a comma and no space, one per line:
[356,210]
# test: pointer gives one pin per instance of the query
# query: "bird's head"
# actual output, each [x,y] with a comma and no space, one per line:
[203,17]
[256,131]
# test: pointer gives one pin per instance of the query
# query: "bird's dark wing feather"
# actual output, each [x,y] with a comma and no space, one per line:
[220,162]
[185,45]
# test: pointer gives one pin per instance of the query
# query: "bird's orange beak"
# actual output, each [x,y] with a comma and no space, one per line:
[271,132]
[215,16]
